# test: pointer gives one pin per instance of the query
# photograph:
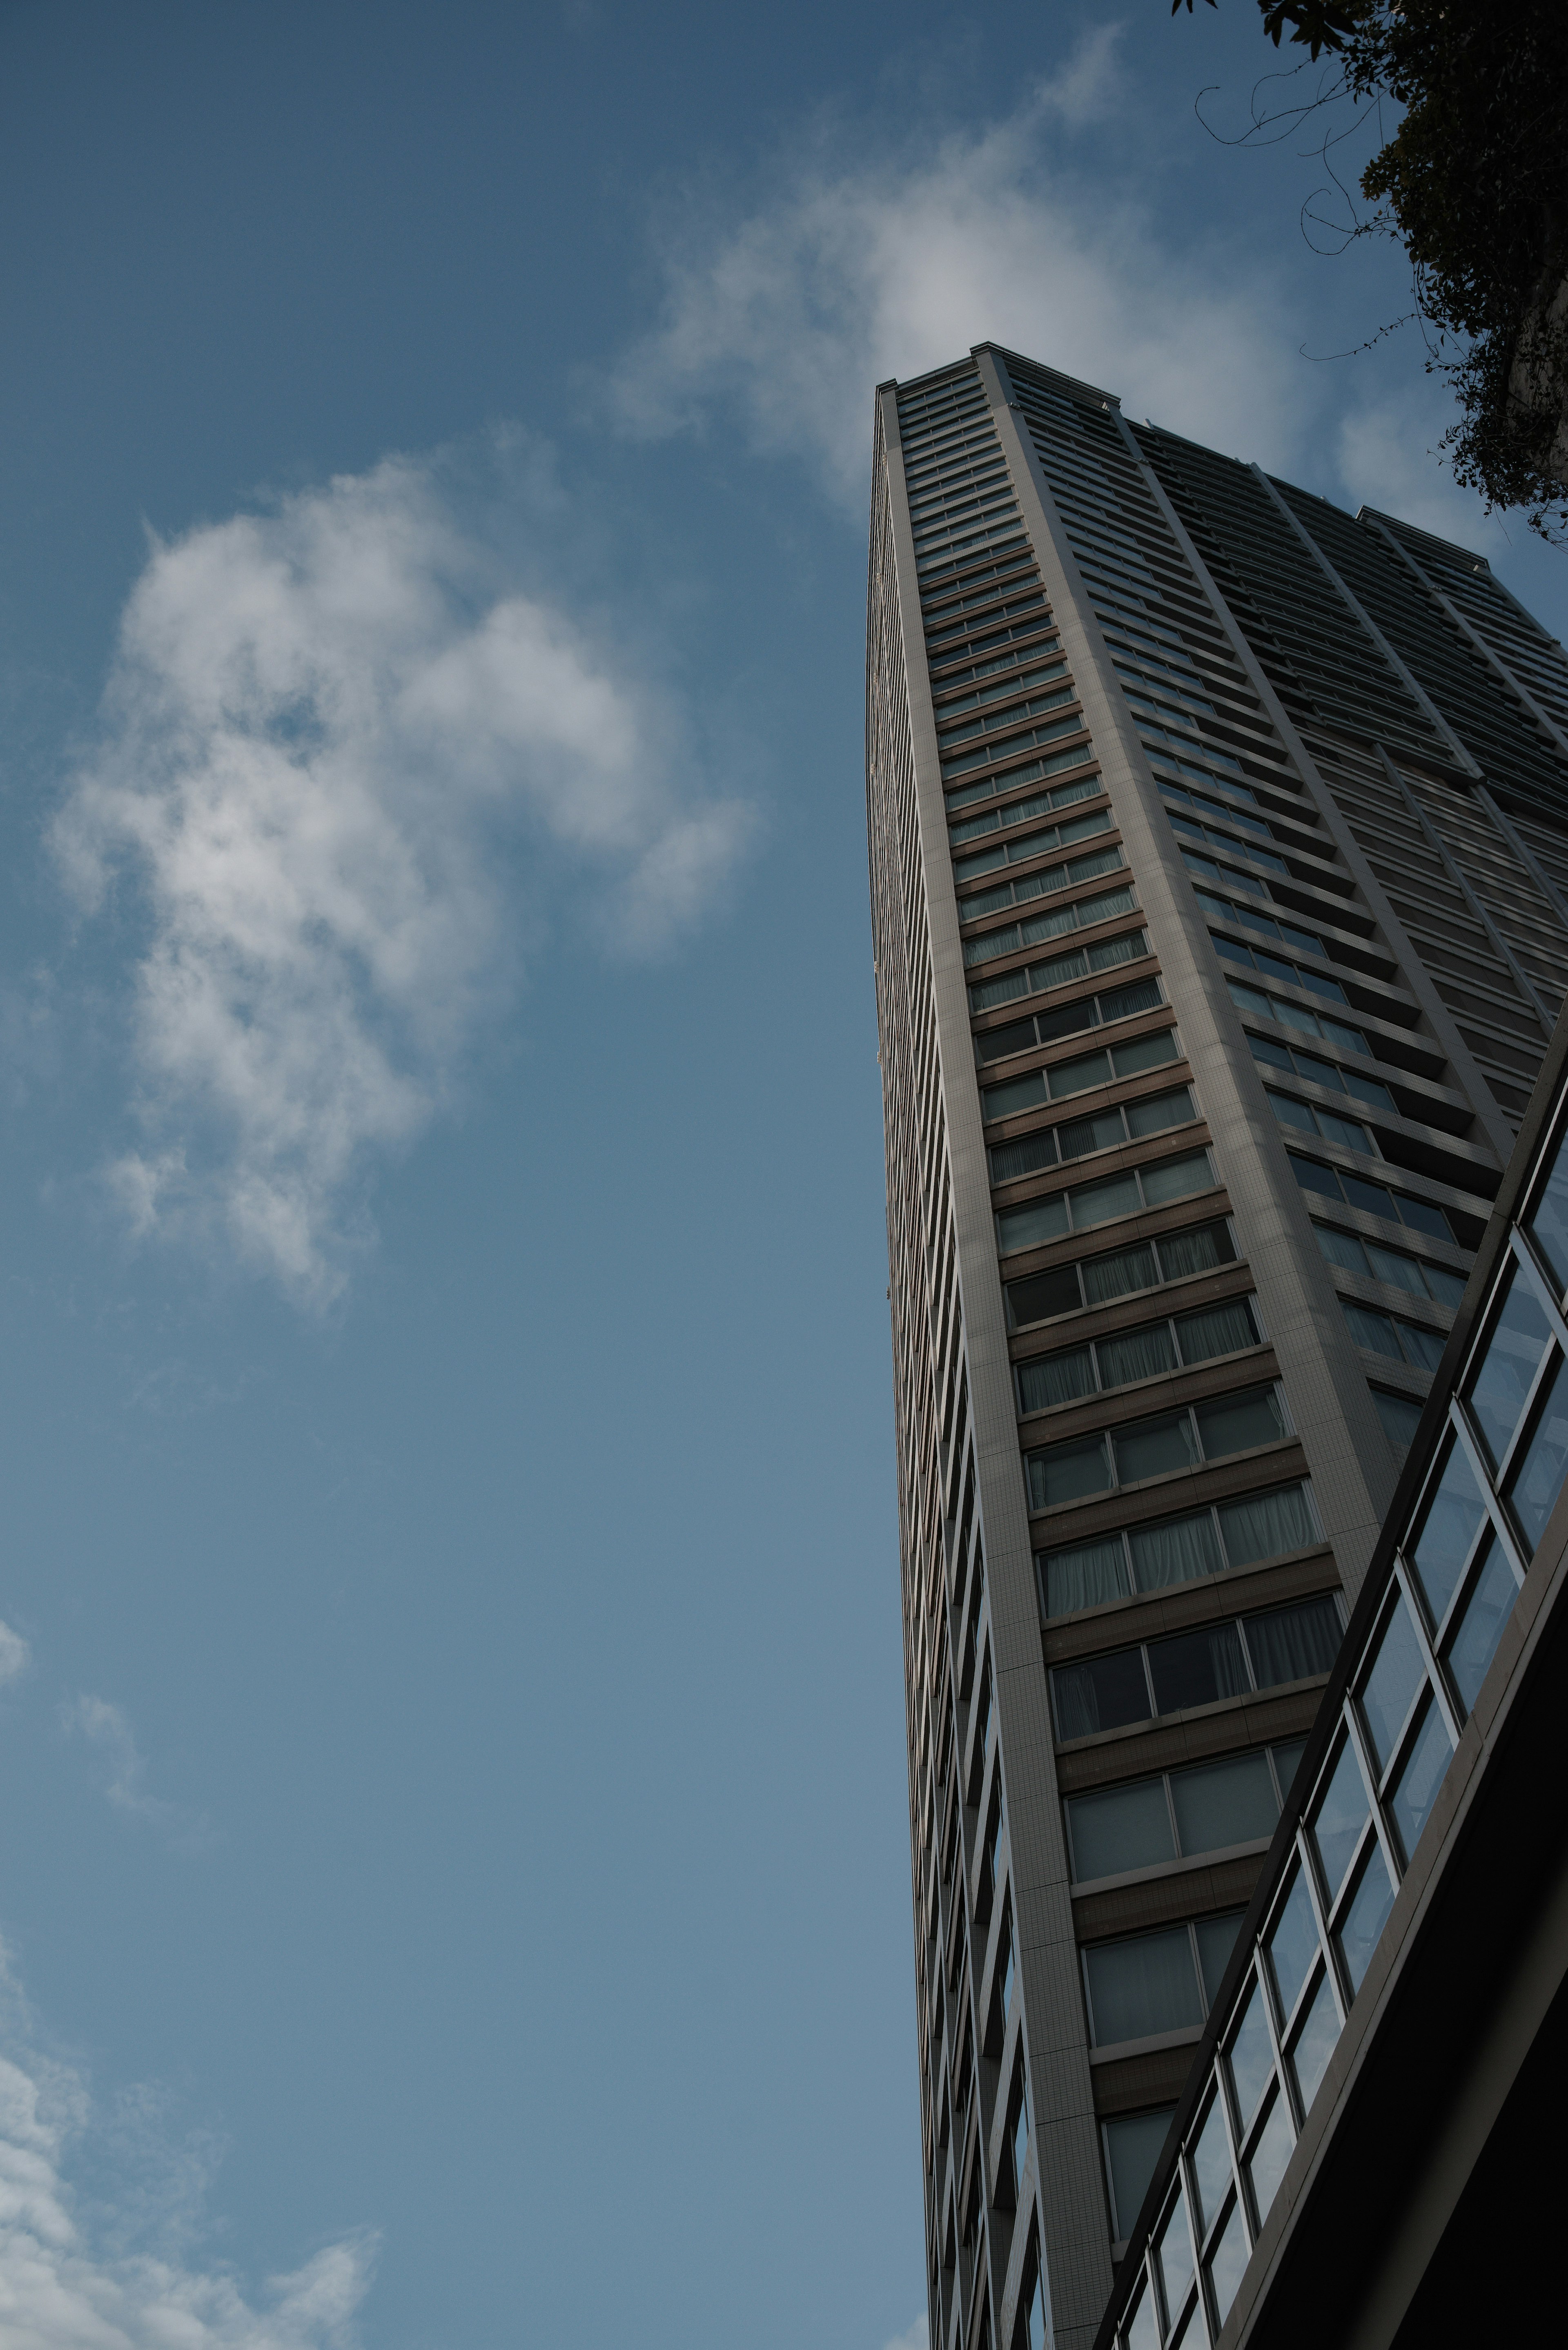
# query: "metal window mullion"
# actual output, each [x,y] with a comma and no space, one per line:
[1405,1581]
[1525,1256]
[1306,1860]
[1364,1757]
[1466,1436]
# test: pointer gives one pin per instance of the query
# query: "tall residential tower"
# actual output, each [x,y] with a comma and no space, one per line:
[1219,852]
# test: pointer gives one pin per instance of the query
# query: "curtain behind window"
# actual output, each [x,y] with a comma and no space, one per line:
[1291,1643]
[1175,1552]
[1263,1525]
[1084,1577]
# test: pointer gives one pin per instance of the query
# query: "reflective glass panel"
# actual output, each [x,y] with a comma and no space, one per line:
[1452,1523]
[1340,1817]
[1537,1480]
[1226,1802]
[1288,1761]
[1143,2326]
[1119,1828]
[1397,1674]
[1216,1941]
[1550,1221]
[1142,1986]
[1227,2262]
[1172,1178]
[1097,1204]
[1270,2156]
[1021,1228]
[1132,2147]
[1291,1945]
[1363,1922]
[1173,2250]
[1020,2134]
[1415,1789]
[1474,1641]
[1251,2056]
[1314,2043]
[1211,2164]
[1501,1387]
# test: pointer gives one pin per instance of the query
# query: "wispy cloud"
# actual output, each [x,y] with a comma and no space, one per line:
[106,1729]
[851,271]
[918,2337]
[337,749]
[64,2285]
[14,1655]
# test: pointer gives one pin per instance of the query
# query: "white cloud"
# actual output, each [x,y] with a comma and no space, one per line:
[66,2287]
[1390,456]
[106,1728]
[335,749]
[918,2337]
[14,1655]
[857,271]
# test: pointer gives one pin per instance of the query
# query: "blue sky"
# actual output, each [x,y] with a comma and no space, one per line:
[455,1879]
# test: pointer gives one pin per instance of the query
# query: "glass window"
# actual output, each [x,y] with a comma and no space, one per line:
[1500,1388]
[1084,1576]
[1142,2325]
[1399,1417]
[1156,1112]
[1100,1694]
[1173,2250]
[1473,1643]
[1288,1761]
[1027,1227]
[1106,1278]
[1364,1919]
[1216,1941]
[1066,1472]
[1398,1672]
[1550,1221]
[1415,1789]
[1291,1942]
[1019,1093]
[1136,1354]
[1132,2142]
[1142,1986]
[1453,1520]
[1251,2056]
[1371,1329]
[1153,1448]
[1218,1330]
[1197,1668]
[1236,1423]
[1225,1803]
[1177,1179]
[1195,1252]
[1055,1378]
[1120,1828]
[1083,1135]
[1340,1817]
[1042,1295]
[1099,1203]
[1535,1481]
[1227,2263]
[1075,1076]
[1314,2041]
[1269,2158]
[1292,1644]
[1021,2131]
[1342,1248]
[1177,1550]
[1262,1525]
[1211,2164]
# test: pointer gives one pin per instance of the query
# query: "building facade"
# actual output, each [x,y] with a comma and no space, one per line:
[1219,848]
[1363,2151]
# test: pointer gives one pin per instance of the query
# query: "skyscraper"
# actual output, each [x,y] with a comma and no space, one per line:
[1219,849]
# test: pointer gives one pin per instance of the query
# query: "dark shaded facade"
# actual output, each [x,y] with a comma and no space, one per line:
[1219,850]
